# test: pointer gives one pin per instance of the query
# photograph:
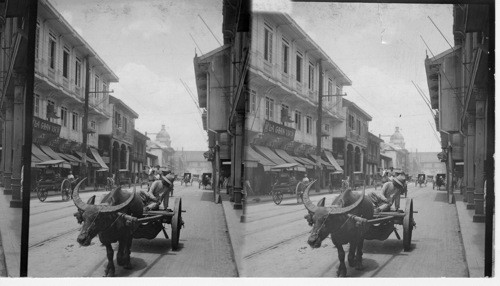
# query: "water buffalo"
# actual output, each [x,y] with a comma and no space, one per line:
[345,222]
[114,220]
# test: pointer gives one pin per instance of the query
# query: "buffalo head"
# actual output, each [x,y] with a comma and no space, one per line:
[326,220]
[95,218]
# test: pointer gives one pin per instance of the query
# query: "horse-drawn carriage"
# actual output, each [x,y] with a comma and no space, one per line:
[187,179]
[53,177]
[285,182]
[206,180]
[103,179]
[358,179]
[420,180]
[440,181]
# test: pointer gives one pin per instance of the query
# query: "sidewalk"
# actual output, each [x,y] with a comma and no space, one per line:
[10,237]
[473,235]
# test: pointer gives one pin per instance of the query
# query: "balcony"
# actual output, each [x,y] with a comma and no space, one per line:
[355,137]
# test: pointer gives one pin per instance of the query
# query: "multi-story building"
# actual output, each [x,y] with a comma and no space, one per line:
[221,80]
[62,61]
[161,149]
[116,135]
[372,157]
[395,149]
[193,162]
[286,70]
[350,140]
[138,155]
[461,87]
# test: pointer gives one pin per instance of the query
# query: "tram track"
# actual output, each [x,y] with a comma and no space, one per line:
[275,245]
[40,243]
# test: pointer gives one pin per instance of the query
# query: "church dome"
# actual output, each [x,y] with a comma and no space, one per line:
[397,138]
[163,136]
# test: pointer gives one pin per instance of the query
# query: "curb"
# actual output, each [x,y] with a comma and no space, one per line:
[231,235]
[3,263]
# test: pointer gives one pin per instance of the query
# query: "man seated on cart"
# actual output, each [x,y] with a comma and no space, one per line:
[158,192]
[391,194]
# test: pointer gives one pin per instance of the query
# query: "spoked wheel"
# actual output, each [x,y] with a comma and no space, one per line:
[408,224]
[65,190]
[41,194]
[177,224]
[277,197]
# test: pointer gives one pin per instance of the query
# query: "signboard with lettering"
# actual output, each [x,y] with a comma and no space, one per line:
[278,130]
[44,131]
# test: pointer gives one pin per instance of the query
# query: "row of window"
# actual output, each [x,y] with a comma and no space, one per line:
[52,60]
[121,121]
[356,125]
[285,61]
[63,118]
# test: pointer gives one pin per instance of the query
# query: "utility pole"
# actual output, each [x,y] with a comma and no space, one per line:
[318,125]
[83,171]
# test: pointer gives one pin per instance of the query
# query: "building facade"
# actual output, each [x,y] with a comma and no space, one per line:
[221,80]
[461,88]
[373,163]
[161,148]
[116,135]
[138,155]
[350,140]
[395,149]
[288,70]
[63,59]
[426,163]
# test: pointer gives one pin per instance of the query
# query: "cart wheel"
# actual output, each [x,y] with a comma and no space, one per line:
[277,197]
[176,224]
[408,225]
[41,194]
[65,189]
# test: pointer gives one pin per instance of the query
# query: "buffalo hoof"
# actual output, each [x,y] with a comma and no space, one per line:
[352,261]
[342,272]
[109,272]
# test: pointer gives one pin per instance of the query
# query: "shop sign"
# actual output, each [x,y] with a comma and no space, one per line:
[44,131]
[278,130]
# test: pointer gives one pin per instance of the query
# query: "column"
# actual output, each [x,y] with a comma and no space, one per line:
[17,145]
[237,160]
[7,148]
[480,157]
[470,175]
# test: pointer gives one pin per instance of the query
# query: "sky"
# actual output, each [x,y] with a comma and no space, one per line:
[148,45]
[378,46]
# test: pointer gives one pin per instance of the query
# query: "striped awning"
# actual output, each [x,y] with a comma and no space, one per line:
[252,156]
[322,162]
[273,157]
[332,160]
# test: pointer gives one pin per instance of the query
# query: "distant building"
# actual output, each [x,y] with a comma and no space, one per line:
[372,157]
[138,156]
[395,149]
[161,148]
[193,162]
[426,163]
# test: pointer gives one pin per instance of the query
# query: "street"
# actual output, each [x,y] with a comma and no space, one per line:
[204,251]
[276,242]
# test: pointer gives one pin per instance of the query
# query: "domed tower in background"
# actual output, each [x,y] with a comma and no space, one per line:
[163,136]
[398,139]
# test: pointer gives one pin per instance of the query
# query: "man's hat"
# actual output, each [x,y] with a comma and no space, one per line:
[400,180]
[169,178]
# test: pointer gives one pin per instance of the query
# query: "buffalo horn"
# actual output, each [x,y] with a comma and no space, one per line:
[76,197]
[307,202]
[109,209]
[342,210]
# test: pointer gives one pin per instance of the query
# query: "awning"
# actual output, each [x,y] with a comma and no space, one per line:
[98,158]
[319,160]
[39,154]
[285,166]
[270,155]
[88,159]
[252,155]
[70,160]
[285,156]
[307,164]
[52,154]
[60,163]
[307,161]
[332,160]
